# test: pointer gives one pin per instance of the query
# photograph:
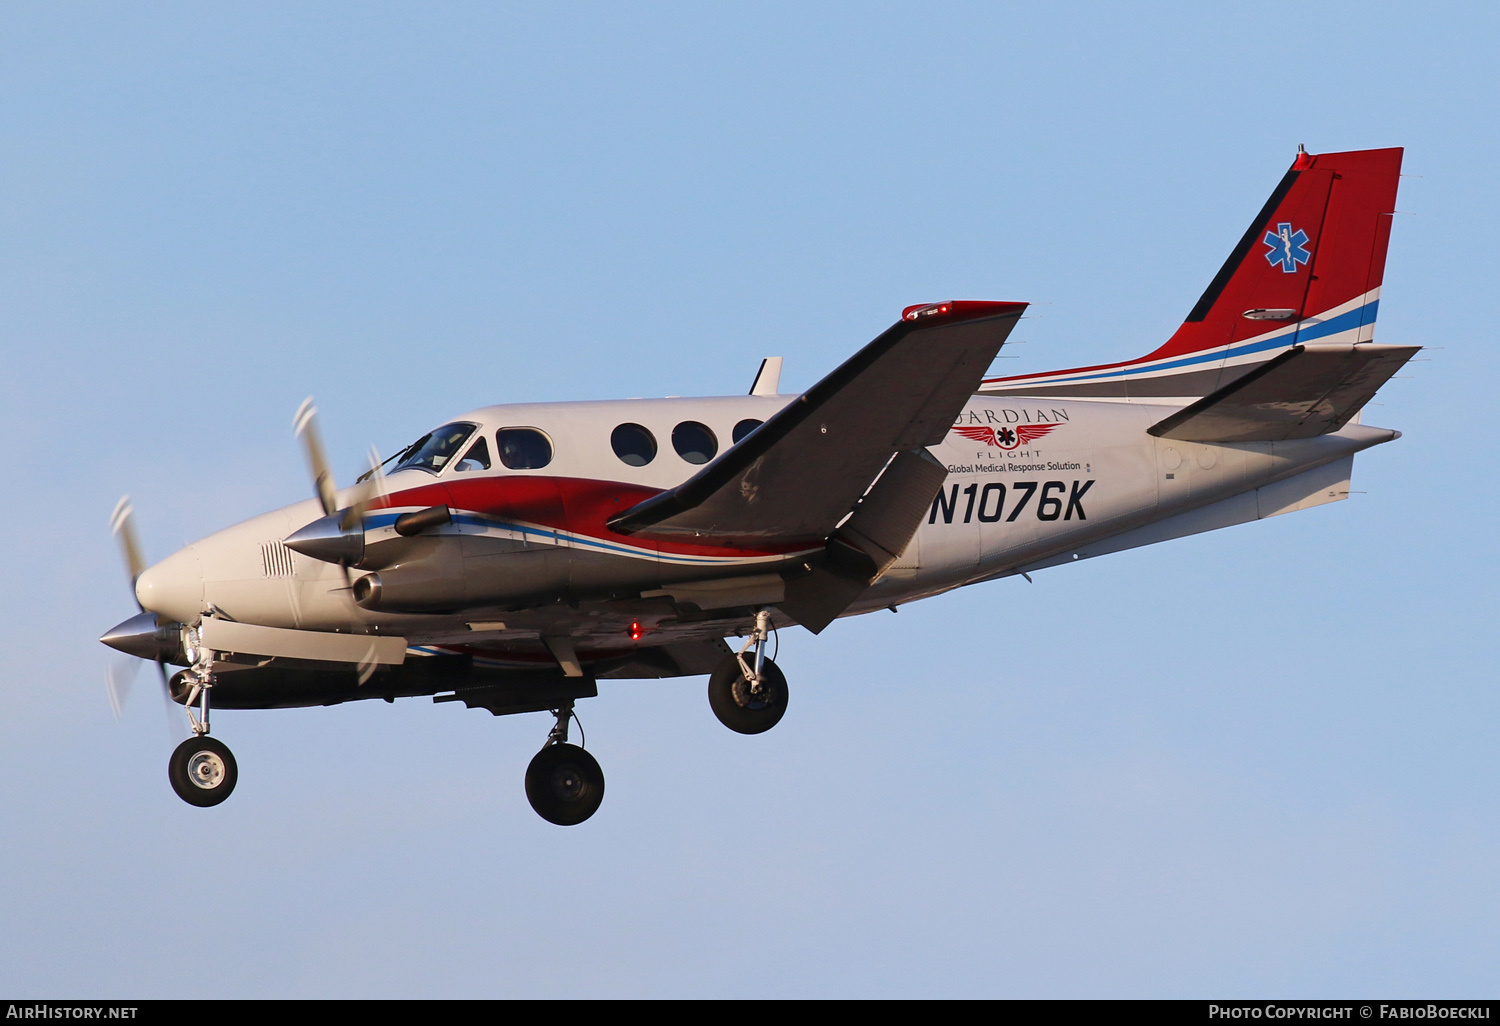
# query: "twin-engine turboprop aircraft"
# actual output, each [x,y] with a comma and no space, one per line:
[515,556]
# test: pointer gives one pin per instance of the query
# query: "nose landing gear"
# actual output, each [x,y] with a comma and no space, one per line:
[563,782]
[202,770]
[749,696]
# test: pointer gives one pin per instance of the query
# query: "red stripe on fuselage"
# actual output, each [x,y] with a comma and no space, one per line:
[571,504]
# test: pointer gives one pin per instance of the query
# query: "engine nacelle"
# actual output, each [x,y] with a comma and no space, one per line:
[425,585]
[453,577]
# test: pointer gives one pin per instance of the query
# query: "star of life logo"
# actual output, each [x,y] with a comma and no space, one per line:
[1287,248]
[1004,437]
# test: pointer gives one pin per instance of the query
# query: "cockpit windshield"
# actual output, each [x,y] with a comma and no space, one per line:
[433,451]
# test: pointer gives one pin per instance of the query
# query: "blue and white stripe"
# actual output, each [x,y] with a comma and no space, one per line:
[1350,322]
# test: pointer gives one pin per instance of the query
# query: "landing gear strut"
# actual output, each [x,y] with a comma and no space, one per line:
[202,770]
[564,783]
[749,695]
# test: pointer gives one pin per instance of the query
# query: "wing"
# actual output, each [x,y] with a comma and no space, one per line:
[1029,432]
[794,478]
[979,434]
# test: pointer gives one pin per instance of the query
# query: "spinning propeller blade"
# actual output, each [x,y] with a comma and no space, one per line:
[369,487]
[176,728]
[122,525]
[117,680]
[305,424]
[121,673]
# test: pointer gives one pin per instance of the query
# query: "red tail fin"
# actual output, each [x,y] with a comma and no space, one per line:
[1309,268]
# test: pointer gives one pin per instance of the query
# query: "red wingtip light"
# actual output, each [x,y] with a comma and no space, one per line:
[913,313]
[960,309]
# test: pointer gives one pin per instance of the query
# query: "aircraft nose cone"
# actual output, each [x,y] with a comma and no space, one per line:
[173,587]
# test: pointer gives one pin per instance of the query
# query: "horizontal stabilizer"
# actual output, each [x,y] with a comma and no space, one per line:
[794,478]
[1308,390]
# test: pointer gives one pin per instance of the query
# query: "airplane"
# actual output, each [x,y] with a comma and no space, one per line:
[514,557]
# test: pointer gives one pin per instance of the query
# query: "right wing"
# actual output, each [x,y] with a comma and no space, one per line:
[794,478]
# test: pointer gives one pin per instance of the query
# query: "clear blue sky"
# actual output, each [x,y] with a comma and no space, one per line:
[1260,762]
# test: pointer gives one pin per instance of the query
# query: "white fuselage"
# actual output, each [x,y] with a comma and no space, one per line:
[1084,478]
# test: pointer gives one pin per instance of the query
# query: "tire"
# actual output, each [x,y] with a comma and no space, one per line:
[737,708]
[202,771]
[564,784]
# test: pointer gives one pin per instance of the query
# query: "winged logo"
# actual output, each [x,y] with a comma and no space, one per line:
[979,434]
[1004,437]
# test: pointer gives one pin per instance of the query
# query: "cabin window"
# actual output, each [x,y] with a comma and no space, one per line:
[523,448]
[635,445]
[744,427]
[694,442]
[432,452]
[477,458]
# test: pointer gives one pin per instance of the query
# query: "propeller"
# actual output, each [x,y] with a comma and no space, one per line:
[342,542]
[143,632]
[305,424]
[367,488]
[122,526]
[117,680]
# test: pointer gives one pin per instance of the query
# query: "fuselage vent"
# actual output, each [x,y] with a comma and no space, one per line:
[277,559]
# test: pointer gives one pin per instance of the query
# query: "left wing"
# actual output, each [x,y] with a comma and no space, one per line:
[796,476]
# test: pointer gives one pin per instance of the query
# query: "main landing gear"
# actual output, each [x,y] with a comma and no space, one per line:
[202,770]
[563,783]
[749,696]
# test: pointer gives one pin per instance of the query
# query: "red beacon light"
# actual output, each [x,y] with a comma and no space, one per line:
[636,631]
[921,310]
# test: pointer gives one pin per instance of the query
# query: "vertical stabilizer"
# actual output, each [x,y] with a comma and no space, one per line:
[1308,269]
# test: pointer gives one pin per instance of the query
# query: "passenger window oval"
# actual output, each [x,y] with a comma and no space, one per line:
[744,427]
[694,442]
[523,448]
[635,445]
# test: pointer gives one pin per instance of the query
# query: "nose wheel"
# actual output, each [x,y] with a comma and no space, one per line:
[563,782]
